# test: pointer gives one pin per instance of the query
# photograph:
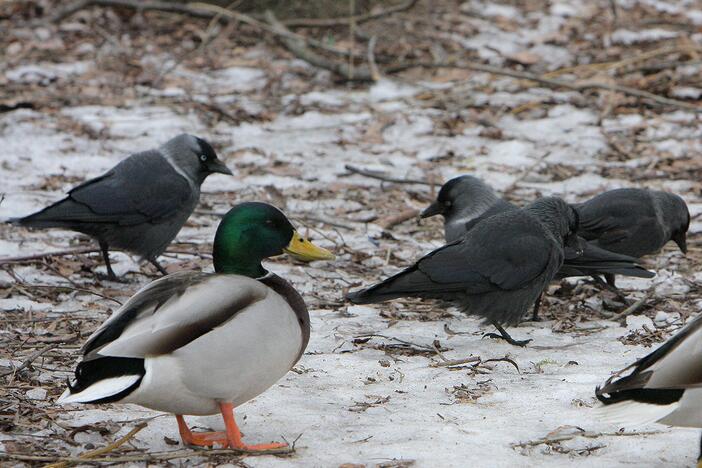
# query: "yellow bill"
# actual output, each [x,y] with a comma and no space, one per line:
[304,250]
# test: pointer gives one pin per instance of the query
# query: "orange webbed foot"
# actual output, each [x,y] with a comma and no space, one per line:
[230,438]
[206,439]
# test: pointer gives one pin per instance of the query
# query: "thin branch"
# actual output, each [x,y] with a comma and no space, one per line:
[30,359]
[375,74]
[552,83]
[383,176]
[297,46]
[581,433]
[631,309]
[146,457]
[101,451]
[456,362]
[327,22]
[70,288]
[199,10]
[394,220]
[67,252]
[171,7]
[520,178]
[41,256]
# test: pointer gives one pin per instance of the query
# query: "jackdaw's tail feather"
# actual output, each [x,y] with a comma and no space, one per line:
[597,261]
[408,283]
[63,213]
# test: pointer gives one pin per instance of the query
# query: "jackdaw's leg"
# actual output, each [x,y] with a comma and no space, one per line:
[158,267]
[610,278]
[609,285]
[505,336]
[106,256]
[537,305]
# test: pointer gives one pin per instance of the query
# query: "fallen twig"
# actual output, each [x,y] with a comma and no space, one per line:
[456,362]
[101,451]
[70,288]
[632,308]
[375,74]
[450,332]
[199,10]
[513,186]
[552,83]
[30,359]
[41,256]
[583,433]
[78,251]
[146,457]
[326,22]
[297,46]
[383,176]
[415,348]
[504,359]
[401,217]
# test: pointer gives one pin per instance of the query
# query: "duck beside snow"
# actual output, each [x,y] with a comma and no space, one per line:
[665,386]
[201,343]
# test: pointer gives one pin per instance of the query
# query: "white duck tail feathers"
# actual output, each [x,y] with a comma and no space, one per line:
[102,391]
[634,413]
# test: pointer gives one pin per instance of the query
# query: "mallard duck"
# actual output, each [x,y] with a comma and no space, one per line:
[201,343]
[665,386]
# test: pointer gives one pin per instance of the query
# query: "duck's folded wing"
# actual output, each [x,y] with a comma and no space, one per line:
[173,311]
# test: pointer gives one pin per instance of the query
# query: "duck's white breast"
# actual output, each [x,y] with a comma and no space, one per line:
[234,362]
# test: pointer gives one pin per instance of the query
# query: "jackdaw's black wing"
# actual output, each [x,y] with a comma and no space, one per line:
[617,216]
[143,188]
[495,255]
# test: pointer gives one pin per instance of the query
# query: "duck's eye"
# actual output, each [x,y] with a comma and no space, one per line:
[203,157]
[447,203]
[269,222]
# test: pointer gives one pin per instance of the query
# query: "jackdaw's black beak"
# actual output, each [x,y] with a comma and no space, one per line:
[218,166]
[680,238]
[434,209]
[576,243]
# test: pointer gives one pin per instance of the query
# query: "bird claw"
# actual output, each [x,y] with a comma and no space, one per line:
[508,339]
[110,277]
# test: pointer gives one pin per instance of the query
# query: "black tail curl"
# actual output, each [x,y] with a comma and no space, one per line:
[91,371]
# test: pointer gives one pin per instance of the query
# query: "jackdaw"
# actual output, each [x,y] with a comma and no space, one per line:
[140,204]
[496,270]
[665,386]
[466,200]
[633,221]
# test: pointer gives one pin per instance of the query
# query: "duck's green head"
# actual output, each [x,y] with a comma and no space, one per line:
[252,231]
